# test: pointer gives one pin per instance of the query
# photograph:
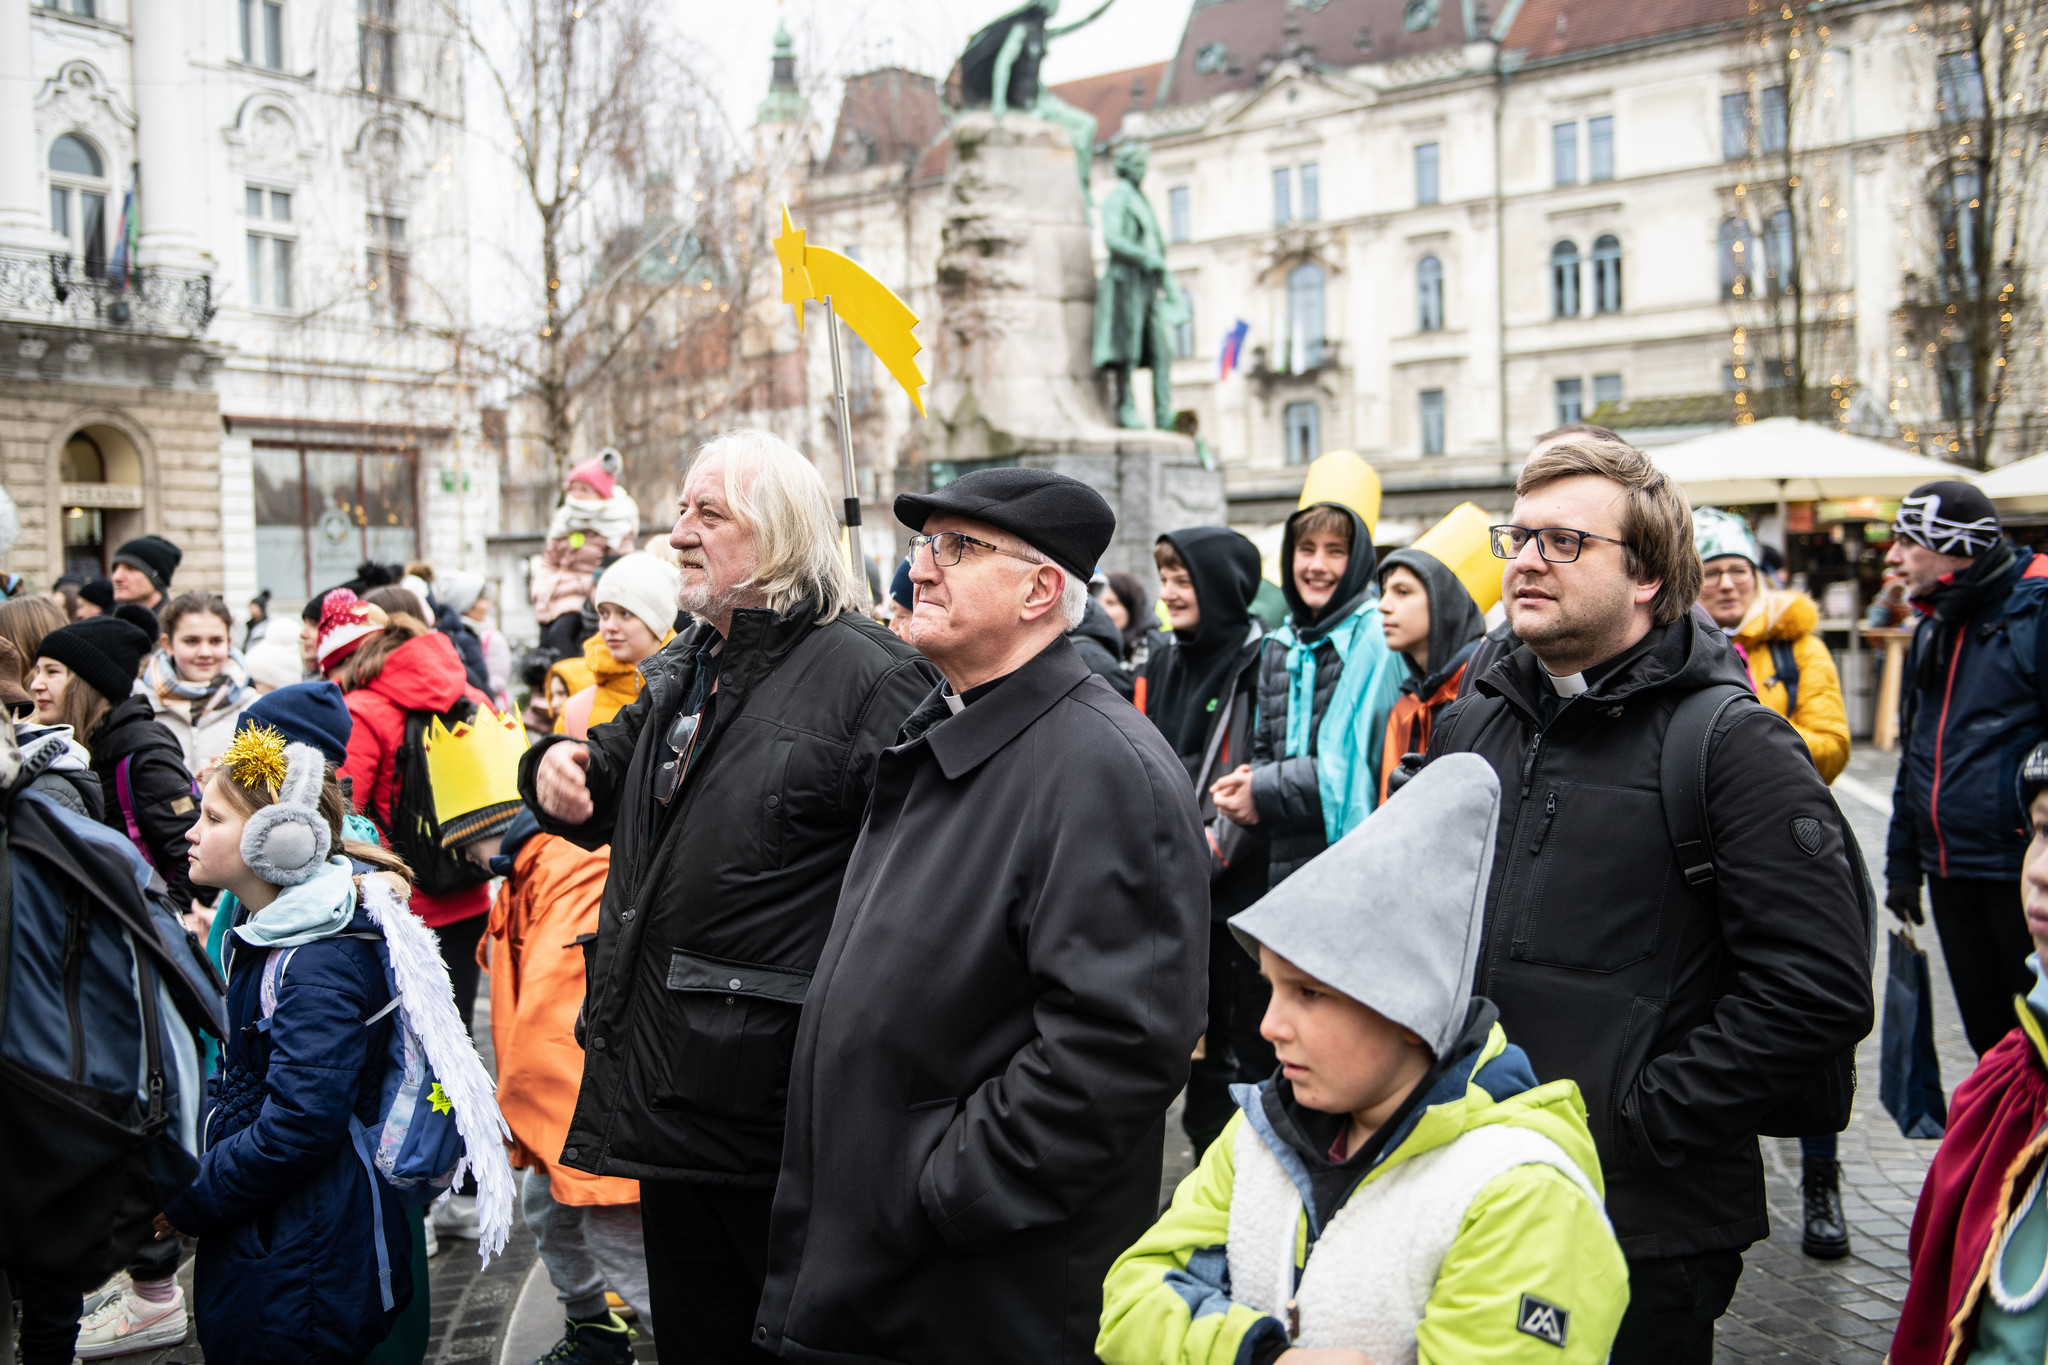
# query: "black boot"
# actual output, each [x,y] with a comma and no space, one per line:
[1826,1235]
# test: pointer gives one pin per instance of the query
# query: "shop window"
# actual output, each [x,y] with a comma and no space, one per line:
[1564,280]
[1430,406]
[1607,274]
[1303,426]
[319,513]
[1429,294]
[78,200]
[1571,401]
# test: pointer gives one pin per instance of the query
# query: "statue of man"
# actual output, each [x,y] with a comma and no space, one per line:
[1135,313]
[999,72]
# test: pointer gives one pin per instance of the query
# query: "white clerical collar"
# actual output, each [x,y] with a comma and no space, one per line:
[1570,685]
[953,703]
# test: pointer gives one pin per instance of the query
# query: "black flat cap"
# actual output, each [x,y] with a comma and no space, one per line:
[1062,518]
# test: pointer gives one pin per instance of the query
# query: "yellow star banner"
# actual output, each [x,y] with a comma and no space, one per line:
[863,302]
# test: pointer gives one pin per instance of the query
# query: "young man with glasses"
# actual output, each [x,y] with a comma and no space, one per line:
[1686,1002]
[731,793]
[1015,976]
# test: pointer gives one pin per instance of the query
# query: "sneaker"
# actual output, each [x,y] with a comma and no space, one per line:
[606,1341]
[125,1323]
[455,1216]
[620,1307]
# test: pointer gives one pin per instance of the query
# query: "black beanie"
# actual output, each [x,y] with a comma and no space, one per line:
[106,651]
[99,592]
[154,556]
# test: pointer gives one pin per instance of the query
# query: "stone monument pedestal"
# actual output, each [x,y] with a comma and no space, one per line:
[1013,374]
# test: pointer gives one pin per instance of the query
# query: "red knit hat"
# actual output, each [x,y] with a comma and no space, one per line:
[345,622]
[601,473]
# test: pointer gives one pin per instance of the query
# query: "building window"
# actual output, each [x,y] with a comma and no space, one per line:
[1734,127]
[1731,378]
[1958,385]
[1607,274]
[1179,223]
[1184,331]
[389,265]
[319,513]
[84,9]
[1283,198]
[1304,318]
[1311,193]
[1571,401]
[263,33]
[1771,128]
[1564,154]
[1600,148]
[1426,173]
[1606,390]
[1963,247]
[1430,407]
[1304,429]
[78,200]
[1564,280]
[377,45]
[1737,251]
[1429,294]
[272,243]
[1961,86]
[1781,259]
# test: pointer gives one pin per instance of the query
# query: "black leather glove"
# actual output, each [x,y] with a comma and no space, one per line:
[1411,764]
[1903,900]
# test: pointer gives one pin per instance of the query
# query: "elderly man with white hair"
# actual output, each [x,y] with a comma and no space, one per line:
[1015,978]
[731,793]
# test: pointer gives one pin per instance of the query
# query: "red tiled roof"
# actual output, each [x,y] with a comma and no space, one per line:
[886,118]
[1254,35]
[1112,95]
[1547,29]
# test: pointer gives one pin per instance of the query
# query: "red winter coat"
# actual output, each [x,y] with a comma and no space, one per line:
[1994,1142]
[423,674]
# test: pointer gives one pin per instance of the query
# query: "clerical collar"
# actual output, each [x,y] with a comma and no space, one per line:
[1570,685]
[972,695]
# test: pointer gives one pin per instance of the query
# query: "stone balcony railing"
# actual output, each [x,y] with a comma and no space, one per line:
[59,290]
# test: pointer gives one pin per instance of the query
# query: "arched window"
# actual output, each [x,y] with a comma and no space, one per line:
[1304,317]
[1564,280]
[1781,256]
[78,200]
[1607,274]
[1429,294]
[1738,248]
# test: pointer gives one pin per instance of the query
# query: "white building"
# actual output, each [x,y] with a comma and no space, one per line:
[266,378]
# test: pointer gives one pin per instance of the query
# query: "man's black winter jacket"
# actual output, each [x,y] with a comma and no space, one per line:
[718,903]
[1683,1018]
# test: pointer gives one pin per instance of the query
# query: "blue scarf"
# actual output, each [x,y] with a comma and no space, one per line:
[315,909]
[1352,733]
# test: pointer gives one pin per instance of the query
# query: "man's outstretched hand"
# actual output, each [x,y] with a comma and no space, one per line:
[562,783]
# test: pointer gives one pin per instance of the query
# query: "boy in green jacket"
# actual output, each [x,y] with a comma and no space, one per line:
[1403,1190]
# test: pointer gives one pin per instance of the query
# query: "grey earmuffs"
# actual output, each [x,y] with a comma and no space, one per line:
[286,842]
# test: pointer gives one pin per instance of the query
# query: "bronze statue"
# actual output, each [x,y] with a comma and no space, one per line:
[1136,310]
[999,72]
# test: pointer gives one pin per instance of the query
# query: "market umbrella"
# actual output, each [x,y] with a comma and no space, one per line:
[1782,459]
[2021,486]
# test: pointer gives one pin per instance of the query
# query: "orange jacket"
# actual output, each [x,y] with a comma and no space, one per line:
[536,970]
[1410,722]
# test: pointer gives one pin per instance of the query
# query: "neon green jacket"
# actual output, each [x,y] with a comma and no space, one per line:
[1529,1235]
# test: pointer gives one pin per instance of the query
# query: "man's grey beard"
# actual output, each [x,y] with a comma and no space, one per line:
[705,601]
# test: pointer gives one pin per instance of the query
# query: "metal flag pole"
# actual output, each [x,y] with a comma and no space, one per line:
[852,512]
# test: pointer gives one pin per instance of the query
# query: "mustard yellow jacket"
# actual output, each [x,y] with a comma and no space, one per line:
[1790,617]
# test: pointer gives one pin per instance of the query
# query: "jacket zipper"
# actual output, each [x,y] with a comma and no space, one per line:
[1543,830]
[1507,891]
[74,977]
[1940,729]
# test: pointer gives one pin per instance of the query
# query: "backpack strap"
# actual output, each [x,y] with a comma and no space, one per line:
[125,795]
[1786,660]
[1682,778]
[360,1139]
[273,982]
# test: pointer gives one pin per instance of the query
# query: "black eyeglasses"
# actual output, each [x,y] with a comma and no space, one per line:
[1557,544]
[682,738]
[948,546]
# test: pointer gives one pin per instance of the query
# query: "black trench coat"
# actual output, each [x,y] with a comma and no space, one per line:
[1004,1010]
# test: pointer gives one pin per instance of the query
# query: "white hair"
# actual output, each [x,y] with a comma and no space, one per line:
[778,495]
[1073,587]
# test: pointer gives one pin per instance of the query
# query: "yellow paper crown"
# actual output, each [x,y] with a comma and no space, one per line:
[1345,479]
[474,771]
[1464,543]
[255,758]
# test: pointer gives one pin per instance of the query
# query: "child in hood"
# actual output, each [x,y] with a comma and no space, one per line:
[1404,1190]
[596,521]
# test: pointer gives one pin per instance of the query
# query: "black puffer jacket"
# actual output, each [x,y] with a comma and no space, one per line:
[159,789]
[1683,1017]
[1100,646]
[718,904]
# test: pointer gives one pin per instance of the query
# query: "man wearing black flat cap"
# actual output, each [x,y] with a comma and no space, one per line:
[142,570]
[1971,709]
[1014,980]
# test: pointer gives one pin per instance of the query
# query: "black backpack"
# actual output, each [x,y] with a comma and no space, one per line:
[412,831]
[1822,1105]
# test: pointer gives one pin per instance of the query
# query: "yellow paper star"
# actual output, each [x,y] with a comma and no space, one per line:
[866,305]
[438,1098]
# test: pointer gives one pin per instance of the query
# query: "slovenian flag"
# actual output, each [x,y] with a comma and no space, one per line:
[1233,347]
[124,241]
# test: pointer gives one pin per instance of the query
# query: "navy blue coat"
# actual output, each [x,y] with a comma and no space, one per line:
[287,1267]
[1963,819]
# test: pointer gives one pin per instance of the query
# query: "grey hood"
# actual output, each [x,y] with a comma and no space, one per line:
[1391,913]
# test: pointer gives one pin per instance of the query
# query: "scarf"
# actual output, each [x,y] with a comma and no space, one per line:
[222,692]
[1348,739]
[314,909]
[1958,597]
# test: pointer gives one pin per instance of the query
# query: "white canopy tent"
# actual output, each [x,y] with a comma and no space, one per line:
[2021,486]
[1782,459]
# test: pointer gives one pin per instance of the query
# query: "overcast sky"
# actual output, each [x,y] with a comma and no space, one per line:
[836,38]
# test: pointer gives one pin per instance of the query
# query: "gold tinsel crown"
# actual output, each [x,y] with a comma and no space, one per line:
[256,759]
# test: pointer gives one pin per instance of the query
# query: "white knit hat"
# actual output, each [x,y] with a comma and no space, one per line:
[645,586]
[274,660]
